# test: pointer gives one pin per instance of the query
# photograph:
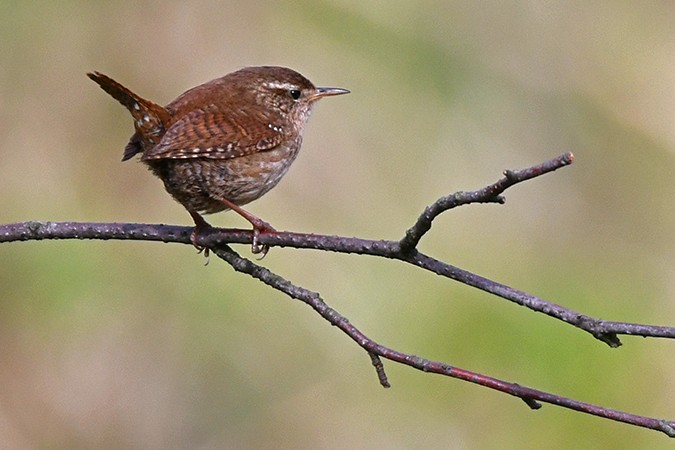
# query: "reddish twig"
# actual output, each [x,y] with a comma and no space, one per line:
[376,350]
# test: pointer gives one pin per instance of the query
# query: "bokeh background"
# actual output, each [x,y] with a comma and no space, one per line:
[138,345]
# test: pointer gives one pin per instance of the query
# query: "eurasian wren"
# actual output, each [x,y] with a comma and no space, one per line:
[224,143]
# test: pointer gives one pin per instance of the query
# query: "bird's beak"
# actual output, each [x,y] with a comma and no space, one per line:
[327,92]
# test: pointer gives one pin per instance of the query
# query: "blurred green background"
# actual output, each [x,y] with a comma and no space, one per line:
[138,345]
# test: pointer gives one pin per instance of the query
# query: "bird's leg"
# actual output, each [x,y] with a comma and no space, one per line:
[259,226]
[200,226]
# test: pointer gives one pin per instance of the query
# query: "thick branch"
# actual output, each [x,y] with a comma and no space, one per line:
[604,330]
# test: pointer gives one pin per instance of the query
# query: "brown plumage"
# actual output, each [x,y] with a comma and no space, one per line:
[224,143]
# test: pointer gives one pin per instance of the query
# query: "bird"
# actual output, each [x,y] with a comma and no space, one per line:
[224,143]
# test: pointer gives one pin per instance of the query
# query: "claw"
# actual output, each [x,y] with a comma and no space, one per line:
[200,225]
[206,250]
[200,249]
[259,227]
[256,248]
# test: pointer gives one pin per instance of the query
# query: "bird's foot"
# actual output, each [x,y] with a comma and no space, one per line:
[260,227]
[201,225]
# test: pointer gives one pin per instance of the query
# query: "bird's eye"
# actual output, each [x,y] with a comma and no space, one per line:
[295,93]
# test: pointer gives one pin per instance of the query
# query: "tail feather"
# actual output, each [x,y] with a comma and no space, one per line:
[150,119]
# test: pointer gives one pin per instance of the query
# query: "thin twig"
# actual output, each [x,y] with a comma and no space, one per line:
[489,194]
[379,369]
